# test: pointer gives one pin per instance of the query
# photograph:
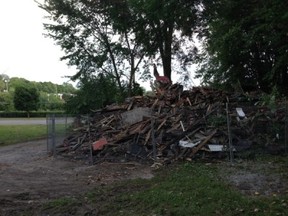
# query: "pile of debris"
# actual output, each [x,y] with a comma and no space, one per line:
[173,125]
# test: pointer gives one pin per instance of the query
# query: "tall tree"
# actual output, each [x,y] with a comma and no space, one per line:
[84,31]
[246,42]
[133,52]
[165,27]
[16,82]
[115,36]
[6,102]
[26,99]
[94,93]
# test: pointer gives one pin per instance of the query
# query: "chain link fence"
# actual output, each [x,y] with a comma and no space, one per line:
[58,127]
[262,126]
[249,129]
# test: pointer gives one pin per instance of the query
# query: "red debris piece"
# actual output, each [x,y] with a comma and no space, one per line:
[160,79]
[98,145]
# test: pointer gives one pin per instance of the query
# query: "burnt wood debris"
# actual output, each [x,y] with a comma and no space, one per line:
[176,124]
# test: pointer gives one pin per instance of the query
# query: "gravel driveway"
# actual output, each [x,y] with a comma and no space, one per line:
[29,176]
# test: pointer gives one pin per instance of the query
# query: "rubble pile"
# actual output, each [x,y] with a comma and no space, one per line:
[173,125]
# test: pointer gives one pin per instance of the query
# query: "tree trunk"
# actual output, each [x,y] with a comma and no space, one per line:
[113,63]
[167,66]
[167,50]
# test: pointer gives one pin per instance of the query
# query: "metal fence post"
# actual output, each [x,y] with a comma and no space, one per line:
[90,140]
[153,137]
[53,135]
[231,156]
[286,124]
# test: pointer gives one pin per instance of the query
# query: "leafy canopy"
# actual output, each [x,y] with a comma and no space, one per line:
[26,99]
[245,42]
[117,38]
[93,93]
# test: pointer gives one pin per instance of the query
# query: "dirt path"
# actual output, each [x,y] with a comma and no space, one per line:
[29,175]
[264,178]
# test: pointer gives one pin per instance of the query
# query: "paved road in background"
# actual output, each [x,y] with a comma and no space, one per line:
[31,121]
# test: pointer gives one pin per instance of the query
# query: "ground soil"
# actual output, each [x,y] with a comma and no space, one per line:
[30,177]
[265,177]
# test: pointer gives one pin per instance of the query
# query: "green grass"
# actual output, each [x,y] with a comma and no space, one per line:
[194,189]
[60,202]
[62,206]
[186,189]
[10,134]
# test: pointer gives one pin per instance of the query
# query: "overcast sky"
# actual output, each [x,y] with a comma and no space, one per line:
[24,51]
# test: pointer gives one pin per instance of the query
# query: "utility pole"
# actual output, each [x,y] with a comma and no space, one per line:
[6,85]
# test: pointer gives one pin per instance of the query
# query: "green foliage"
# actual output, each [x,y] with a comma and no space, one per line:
[26,99]
[50,102]
[97,92]
[116,38]
[94,93]
[11,134]
[84,31]
[245,42]
[137,90]
[49,87]
[164,28]
[15,82]
[270,100]
[52,96]
[66,88]
[6,102]
[46,87]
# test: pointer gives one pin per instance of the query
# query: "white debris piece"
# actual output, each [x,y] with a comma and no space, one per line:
[188,144]
[215,148]
[240,112]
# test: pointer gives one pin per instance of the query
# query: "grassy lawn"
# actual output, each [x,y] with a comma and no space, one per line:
[185,189]
[11,134]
